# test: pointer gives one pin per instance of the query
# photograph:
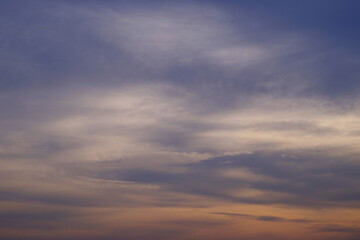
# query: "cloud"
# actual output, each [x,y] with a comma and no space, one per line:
[271,178]
[126,110]
[339,229]
[198,46]
[263,218]
[264,152]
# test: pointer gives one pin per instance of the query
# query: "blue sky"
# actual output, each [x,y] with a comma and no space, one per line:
[179,119]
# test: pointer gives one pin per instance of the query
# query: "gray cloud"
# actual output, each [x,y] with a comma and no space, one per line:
[306,179]
[339,229]
[263,218]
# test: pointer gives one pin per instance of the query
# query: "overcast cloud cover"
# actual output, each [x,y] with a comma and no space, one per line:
[179,119]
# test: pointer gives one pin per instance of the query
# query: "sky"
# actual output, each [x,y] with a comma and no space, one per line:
[179,120]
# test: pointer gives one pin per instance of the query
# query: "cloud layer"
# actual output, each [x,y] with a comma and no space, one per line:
[204,120]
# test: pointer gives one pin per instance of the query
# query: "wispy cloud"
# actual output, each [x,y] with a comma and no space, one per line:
[116,117]
[263,218]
